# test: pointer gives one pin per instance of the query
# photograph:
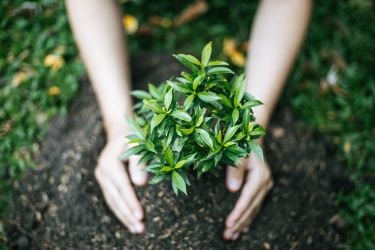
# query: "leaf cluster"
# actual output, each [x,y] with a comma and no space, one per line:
[198,121]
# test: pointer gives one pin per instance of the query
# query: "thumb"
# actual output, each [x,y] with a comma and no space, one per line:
[235,176]
[136,171]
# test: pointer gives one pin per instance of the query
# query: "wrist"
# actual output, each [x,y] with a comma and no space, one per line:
[116,128]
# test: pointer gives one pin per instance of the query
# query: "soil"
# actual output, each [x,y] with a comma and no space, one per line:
[58,205]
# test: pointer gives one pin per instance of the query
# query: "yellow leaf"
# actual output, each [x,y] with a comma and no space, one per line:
[238,58]
[54,91]
[347,147]
[130,24]
[229,46]
[54,62]
[18,78]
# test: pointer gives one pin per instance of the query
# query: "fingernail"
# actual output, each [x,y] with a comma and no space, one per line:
[139,228]
[227,235]
[235,236]
[233,183]
[138,215]
[132,229]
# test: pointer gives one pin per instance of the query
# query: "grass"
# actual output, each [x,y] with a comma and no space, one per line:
[332,87]
[39,74]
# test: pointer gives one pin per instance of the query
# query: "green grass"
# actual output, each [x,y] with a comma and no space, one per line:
[29,32]
[340,41]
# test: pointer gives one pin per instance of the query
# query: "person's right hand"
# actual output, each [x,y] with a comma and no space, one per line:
[116,185]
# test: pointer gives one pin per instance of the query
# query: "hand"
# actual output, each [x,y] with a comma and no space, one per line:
[257,184]
[115,183]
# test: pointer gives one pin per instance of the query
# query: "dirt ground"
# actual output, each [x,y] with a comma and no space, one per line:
[59,205]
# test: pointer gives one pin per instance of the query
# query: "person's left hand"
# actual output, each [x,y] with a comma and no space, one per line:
[258,183]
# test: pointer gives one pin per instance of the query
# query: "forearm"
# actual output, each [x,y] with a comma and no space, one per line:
[277,34]
[96,25]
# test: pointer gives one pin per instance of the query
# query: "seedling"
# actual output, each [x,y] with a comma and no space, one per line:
[199,121]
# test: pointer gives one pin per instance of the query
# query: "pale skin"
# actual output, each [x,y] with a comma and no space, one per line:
[276,37]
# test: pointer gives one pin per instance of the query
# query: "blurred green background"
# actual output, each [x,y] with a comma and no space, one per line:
[331,88]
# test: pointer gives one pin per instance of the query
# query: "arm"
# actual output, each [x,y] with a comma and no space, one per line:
[96,25]
[276,37]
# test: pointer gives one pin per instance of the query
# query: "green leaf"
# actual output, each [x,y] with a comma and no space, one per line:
[168,98]
[179,182]
[169,156]
[182,115]
[205,137]
[201,117]
[188,101]
[134,139]
[189,158]
[226,101]
[237,150]
[219,70]
[229,143]
[235,115]
[150,146]
[153,105]
[179,143]
[240,87]
[183,80]
[154,168]
[187,131]
[156,120]
[207,166]
[180,164]
[190,58]
[166,169]
[158,178]
[154,92]
[185,61]
[132,151]
[250,127]
[197,81]
[245,119]
[208,96]
[219,136]
[217,63]
[206,54]
[146,157]
[256,149]
[135,127]
[257,131]
[230,133]
[179,87]
[140,94]
[251,103]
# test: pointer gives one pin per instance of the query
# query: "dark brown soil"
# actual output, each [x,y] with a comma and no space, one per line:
[59,204]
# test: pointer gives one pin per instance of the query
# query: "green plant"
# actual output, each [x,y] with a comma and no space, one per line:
[200,120]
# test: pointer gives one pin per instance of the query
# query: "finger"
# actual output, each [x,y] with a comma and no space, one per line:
[248,193]
[119,206]
[235,176]
[137,173]
[127,192]
[233,232]
[244,227]
[248,216]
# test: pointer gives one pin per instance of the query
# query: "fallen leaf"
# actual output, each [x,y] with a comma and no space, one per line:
[54,91]
[54,62]
[130,24]
[238,58]
[194,10]
[229,46]
[18,78]
[164,22]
